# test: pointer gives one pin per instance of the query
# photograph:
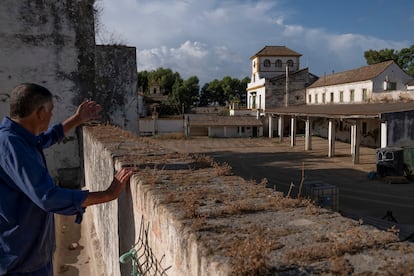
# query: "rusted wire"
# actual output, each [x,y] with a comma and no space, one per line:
[144,262]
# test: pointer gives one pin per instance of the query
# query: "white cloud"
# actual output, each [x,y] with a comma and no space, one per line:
[212,39]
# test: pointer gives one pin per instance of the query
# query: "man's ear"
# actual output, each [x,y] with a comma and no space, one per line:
[40,112]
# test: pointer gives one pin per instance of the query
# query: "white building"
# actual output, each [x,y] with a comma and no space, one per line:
[381,82]
[277,79]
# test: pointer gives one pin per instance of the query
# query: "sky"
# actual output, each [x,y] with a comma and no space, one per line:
[212,39]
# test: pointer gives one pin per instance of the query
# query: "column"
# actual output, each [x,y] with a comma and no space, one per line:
[280,128]
[308,134]
[270,126]
[357,142]
[384,134]
[331,137]
[352,138]
[292,131]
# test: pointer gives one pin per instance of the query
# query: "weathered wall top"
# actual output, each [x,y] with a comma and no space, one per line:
[206,221]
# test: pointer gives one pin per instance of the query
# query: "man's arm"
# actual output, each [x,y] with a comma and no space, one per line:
[87,110]
[114,190]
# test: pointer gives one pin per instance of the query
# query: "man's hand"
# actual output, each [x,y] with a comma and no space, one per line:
[88,110]
[114,190]
[118,184]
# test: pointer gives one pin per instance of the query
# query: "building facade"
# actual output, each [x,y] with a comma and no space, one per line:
[381,82]
[277,79]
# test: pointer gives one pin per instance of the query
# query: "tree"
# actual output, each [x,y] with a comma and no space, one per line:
[184,94]
[224,91]
[404,58]
[165,78]
[143,81]
[205,96]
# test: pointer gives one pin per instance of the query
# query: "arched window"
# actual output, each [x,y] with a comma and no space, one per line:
[290,63]
[278,63]
[266,63]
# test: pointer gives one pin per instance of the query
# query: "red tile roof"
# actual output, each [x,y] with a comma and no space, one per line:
[276,51]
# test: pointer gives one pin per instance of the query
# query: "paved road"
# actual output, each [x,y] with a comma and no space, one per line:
[281,164]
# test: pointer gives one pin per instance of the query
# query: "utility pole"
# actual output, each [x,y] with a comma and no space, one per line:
[287,86]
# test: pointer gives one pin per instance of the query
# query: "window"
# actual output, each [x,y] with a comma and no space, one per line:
[290,63]
[260,101]
[332,97]
[254,64]
[389,85]
[309,98]
[364,94]
[323,98]
[266,63]
[316,98]
[341,96]
[352,95]
[278,63]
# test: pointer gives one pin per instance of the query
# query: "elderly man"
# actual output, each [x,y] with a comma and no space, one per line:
[28,196]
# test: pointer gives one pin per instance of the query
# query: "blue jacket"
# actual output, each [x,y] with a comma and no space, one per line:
[29,198]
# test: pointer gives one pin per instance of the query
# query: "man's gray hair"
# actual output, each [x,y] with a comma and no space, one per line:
[26,98]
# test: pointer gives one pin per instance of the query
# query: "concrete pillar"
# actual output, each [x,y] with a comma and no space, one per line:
[270,126]
[357,142]
[308,134]
[331,138]
[384,135]
[292,131]
[280,128]
[352,139]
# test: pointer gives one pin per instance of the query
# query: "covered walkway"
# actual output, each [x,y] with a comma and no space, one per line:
[350,113]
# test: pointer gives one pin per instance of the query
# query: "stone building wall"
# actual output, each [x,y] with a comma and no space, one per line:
[52,43]
[116,79]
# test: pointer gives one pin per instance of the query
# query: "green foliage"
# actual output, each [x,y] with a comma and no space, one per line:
[163,77]
[224,91]
[185,94]
[404,58]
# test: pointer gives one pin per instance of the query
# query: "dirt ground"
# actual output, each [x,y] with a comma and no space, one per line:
[278,162]
[71,257]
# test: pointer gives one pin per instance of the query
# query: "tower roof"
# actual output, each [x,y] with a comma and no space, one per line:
[276,51]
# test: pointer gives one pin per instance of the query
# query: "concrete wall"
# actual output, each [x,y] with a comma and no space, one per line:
[316,94]
[118,223]
[50,43]
[400,130]
[150,126]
